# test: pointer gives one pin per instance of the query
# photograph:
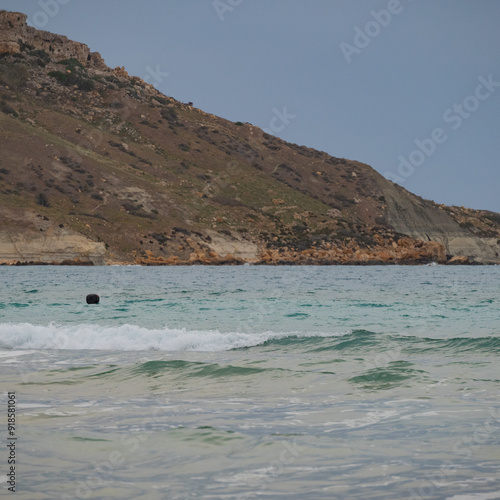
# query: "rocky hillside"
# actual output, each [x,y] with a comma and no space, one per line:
[99,167]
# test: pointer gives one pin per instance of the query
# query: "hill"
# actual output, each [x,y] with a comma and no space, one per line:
[98,167]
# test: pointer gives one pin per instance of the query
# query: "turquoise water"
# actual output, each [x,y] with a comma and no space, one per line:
[253,382]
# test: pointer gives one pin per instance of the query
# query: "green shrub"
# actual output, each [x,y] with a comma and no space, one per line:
[161,100]
[7,109]
[111,78]
[71,63]
[493,217]
[43,56]
[25,47]
[61,77]
[14,76]
[70,79]
[42,200]
[169,114]
[85,84]
[115,81]
[76,75]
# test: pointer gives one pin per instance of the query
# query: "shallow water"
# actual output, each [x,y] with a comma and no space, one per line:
[253,382]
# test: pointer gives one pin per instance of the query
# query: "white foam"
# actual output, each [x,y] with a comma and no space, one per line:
[11,354]
[372,417]
[477,496]
[132,338]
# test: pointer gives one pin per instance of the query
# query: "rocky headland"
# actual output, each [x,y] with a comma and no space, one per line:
[98,167]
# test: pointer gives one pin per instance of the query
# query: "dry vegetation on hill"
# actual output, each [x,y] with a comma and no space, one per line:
[98,166]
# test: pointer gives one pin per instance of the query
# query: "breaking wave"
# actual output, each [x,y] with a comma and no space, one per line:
[135,338]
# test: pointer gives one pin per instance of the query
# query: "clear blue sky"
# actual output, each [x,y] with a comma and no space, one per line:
[359,79]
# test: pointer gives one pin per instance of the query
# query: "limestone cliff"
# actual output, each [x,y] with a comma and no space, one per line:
[421,219]
[16,34]
[43,242]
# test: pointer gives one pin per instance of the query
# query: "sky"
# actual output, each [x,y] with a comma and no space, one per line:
[410,87]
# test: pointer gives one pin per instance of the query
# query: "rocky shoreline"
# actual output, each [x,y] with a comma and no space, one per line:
[451,262]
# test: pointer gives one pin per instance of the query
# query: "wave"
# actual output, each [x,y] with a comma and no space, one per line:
[454,345]
[364,341]
[394,374]
[196,369]
[136,338]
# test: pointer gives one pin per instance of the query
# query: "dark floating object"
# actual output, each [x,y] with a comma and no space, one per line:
[92,298]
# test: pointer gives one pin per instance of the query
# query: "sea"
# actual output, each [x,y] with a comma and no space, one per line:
[250,382]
